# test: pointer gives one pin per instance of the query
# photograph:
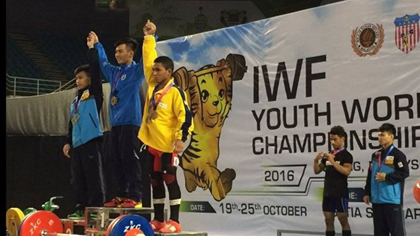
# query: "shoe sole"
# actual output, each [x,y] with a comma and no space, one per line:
[135,207]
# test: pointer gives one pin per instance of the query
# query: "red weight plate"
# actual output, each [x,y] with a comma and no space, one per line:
[23,221]
[40,221]
[134,232]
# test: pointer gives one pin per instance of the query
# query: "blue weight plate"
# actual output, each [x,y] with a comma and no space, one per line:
[131,221]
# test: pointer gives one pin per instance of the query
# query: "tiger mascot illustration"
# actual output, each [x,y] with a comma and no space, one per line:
[209,92]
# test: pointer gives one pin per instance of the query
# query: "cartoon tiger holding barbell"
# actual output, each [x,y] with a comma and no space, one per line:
[209,92]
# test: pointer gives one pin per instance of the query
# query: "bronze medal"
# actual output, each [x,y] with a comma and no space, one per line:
[114,100]
[75,118]
[153,115]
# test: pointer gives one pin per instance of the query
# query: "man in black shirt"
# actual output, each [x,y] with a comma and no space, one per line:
[337,165]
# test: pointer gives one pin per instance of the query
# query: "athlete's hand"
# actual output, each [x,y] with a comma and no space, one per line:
[178,146]
[380,177]
[149,28]
[366,199]
[94,37]
[66,150]
[329,157]
[89,41]
[319,156]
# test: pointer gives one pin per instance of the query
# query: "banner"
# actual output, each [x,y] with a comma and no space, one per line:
[264,96]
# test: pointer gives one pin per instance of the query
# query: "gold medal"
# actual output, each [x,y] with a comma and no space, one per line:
[75,118]
[114,100]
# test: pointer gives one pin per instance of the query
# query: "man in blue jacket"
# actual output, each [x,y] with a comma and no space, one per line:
[126,113]
[388,170]
[85,136]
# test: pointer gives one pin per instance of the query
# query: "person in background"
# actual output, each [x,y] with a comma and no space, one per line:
[337,165]
[384,187]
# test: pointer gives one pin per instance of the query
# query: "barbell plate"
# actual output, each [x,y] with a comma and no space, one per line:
[40,221]
[109,229]
[134,232]
[14,217]
[28,210]
[21,223]
[131,221]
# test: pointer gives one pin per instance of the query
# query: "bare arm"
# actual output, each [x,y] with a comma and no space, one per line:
[318,167]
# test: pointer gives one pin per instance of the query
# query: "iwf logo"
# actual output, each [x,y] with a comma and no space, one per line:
[407,32]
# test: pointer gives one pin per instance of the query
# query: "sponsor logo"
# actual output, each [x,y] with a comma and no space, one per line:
[367,39]
[407,32]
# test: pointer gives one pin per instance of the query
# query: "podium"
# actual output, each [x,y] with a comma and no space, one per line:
[98,219]
[103,216]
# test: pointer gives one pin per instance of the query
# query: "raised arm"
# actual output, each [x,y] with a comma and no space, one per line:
[104,64]
[149,51]
[95,74]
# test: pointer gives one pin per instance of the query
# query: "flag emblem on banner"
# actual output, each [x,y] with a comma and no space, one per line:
[367,39]
[407,32]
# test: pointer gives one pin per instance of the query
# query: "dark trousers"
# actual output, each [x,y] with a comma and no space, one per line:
[388,219]
[130,163]
[88,176]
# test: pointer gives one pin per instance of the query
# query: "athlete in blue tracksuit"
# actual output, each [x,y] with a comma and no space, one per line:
[85,136]
[385,185]
[130,164]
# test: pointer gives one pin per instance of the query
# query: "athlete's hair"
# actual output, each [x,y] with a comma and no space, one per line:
[339,131]
[166,62]
[84,68]
[130,43]
[388,127]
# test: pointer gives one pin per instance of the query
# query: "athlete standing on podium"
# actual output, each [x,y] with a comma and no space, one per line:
[130,162]
[338,166]
[85,136]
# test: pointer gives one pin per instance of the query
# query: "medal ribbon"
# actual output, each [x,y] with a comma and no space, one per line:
[335,151]
[380,158]
[76,105]
[152,100]
[116,80]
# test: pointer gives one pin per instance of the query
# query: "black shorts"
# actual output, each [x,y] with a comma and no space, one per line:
[335,204]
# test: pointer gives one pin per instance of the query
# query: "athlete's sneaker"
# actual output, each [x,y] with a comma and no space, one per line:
[115,202]
[77,215]
[93,216]
[171,227]
[130,203]
[157,225]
